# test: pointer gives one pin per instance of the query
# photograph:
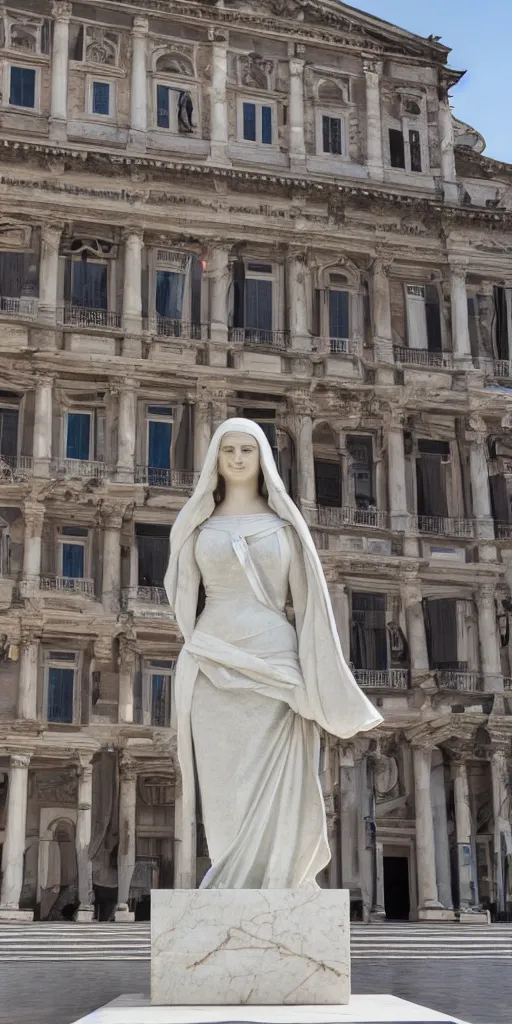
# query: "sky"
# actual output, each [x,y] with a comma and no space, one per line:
[480,35]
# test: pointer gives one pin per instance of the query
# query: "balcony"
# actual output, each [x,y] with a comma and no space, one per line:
[256,338]
[423,357]
[498,369]
[374,519]
[80,468]
[382,679]
[462,682]
[20,309]
[66,584]
[504,531]
[507,683]
[15,467]
[443,526]
[166,327]
[174,479]
[90,319]
[146,602]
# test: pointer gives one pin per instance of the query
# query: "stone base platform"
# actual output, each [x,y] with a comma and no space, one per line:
[382,1009]
[233,947]
[22,916]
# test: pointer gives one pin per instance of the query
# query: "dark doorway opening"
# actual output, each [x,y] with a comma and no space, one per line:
[396,888]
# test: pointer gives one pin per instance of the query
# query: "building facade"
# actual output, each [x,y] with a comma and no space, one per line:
[267,210]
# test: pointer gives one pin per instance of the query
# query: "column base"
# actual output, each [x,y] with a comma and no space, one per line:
[58,129]
[136,140]
[15,914]
[84,915]
[123,915]
[218,154]
[451,192]
[479,917]
[436,914]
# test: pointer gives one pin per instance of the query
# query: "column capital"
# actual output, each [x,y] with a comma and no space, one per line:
[33,514]
[84,768]
[219,36]
[371,66]
[47,380]
[382,262]
[486,592]
[51,233]
[20,760]
[133,234]
[302,404]
[127,769]
[458,266]
[394,419]
[140,26]
[297,254]
[120,384]
[61,10]
[296,65]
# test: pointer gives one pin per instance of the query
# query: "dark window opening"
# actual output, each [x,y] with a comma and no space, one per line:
[60,694]
[415,148]
[153,550]
[331,135]
[258,304]
[8,432]
[338,314]
[266,125]
[500,502]
[396,148]
[369,648]
[23,87]
[78,435]
[249,116]
[360,449]
[441,629]
[162,106]
[101,98]
[430,478]
[328,483]
[433,318]
[89,284]
[501,313]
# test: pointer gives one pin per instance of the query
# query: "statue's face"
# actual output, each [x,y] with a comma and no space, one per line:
[239,458]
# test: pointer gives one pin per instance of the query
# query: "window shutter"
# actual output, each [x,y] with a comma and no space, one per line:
[162,106]
[415,150]
[8,431]
[326,134]
[500,306]
[328,483]
[77,443]
[12,274]
[396,148]
[249,116]
[238,293]
[433,316]
[441,629]
[266,125]
[499,499]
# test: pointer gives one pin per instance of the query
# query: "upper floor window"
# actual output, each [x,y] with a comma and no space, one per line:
[360,449]
[255,305]
[332,135]
[93,44]
[89,273]
[157,689]
[29,35]
[159,439]
[8,431]
[175,94]
[85,435]
[407,140]
[61,671]
[369,638]
[101,98]
[256,122]
[152,543]
[22,87]
[73,552]
[423,317]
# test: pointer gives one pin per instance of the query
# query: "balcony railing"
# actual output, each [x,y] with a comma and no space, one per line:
[80,467]
[504,531]
[67,584]
[169,327]
[465,682]
[382,679]
[93,319]
[254,336]
[145,595]
[15,467]
[23,308]
[507,683]
[339,346]
[374,519]
[499,368]
[443,526]
[173,478]
[423,357]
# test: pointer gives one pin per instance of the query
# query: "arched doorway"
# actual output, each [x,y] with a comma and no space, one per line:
[58,874]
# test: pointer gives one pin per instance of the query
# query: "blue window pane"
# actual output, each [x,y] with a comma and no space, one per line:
[77,441]
[169,294]
[89,285]
[338,314]
[159,447]
[159,700]
[250,122]
[258,304]
[60,694]
[8,431]
[162,106]
[266,125]
[100,98]
[73,561]
[23,87]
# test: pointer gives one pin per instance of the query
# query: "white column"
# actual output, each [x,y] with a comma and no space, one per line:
[111,583]
[460,318]
[27,679]
[49,272]
[138,100]
[381,318]
[127,664]
[447,145]
[132,290]
[297,302]
[127,430]
[396,471]
[202,430]
[14,842]
[372,72]
[185,840]
[425,846]
[341,611]
[42,437]
[61,12]
[467,890]
[488,638]
[127,838]
[296,115]
[85,910]
[33,514]
[219,276]
[410,591]
[501,804]
[348,817]
[442,844]
[480,490]
[303,423]
[218,97]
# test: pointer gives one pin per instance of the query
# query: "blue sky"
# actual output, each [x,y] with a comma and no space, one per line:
[480,36]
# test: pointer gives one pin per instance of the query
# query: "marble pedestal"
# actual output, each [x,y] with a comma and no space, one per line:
[233,947]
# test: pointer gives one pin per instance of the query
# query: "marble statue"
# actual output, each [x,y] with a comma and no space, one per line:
[253,689]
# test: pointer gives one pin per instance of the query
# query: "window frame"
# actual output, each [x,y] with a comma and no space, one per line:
[157,418]
[334,114]
[157,667]
[37,87]
[108,263]
[176,86]
[90,80]
[254,275]
[51,660]
[258,102]
[84,543]
[94,414]
[411,295]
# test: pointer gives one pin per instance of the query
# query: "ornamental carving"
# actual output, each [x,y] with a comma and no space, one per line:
[156,790]
[101,47]
[56,789]
[255,72]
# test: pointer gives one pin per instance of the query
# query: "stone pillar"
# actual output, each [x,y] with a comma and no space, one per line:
[428,901]
[467,888]
[61,12]
[42,437]
[138,101]
[127,838]
[13,851]
[396,471]
[127,389]
[219,276]
[480,489]
[303,429]
[111,583]
[27,679]
[185,840]
[460,319]
[132,289]
[218,97]
[219,408]
[297,146]
[349,813]
[381,319]
[447,144]
[442,845]
[501,812]
[372,72]
[127,664]
[33,514]
[488,638]
[341,610]
[85,910]
[49,273]
[202,429]
[297,302]
[410,590]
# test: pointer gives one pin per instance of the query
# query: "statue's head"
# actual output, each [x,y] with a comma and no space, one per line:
[238,462]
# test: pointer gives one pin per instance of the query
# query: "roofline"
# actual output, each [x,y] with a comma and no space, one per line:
[402,33]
